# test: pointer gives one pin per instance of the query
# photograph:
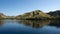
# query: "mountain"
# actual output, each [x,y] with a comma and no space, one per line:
[2,15]
[54,13]
[37,14]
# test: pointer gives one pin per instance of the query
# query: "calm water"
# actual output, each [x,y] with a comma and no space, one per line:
[29,27]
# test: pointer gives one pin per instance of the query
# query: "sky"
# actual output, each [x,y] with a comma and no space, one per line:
[17,7]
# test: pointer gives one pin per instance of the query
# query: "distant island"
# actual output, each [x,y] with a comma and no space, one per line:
[34,15]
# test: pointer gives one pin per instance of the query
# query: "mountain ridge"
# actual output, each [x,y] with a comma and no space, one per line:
[36,14]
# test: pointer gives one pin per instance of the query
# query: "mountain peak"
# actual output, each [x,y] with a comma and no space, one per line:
[35,14]
[37,11]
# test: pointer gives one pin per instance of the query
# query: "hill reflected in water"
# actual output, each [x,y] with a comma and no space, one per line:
[40,23]
[55,23]
[2,22]
[34,23]
[13,26]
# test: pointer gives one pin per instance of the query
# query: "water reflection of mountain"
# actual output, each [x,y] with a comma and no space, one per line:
[2,22]
[55,23]
[34,24]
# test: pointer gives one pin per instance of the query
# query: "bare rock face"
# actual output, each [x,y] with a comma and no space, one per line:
[54,13]
[35,14]
[2,15]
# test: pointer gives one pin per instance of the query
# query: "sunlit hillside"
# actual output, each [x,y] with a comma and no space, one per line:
[34,14]
[2,15]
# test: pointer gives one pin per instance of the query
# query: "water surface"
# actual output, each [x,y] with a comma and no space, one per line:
[29,27]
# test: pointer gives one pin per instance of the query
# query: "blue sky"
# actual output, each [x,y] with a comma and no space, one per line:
[17,7]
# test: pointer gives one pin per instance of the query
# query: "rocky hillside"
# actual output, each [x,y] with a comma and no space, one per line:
[34,14]
[54,13]
[2,16]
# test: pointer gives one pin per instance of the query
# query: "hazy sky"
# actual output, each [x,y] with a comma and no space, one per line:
[16,7]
